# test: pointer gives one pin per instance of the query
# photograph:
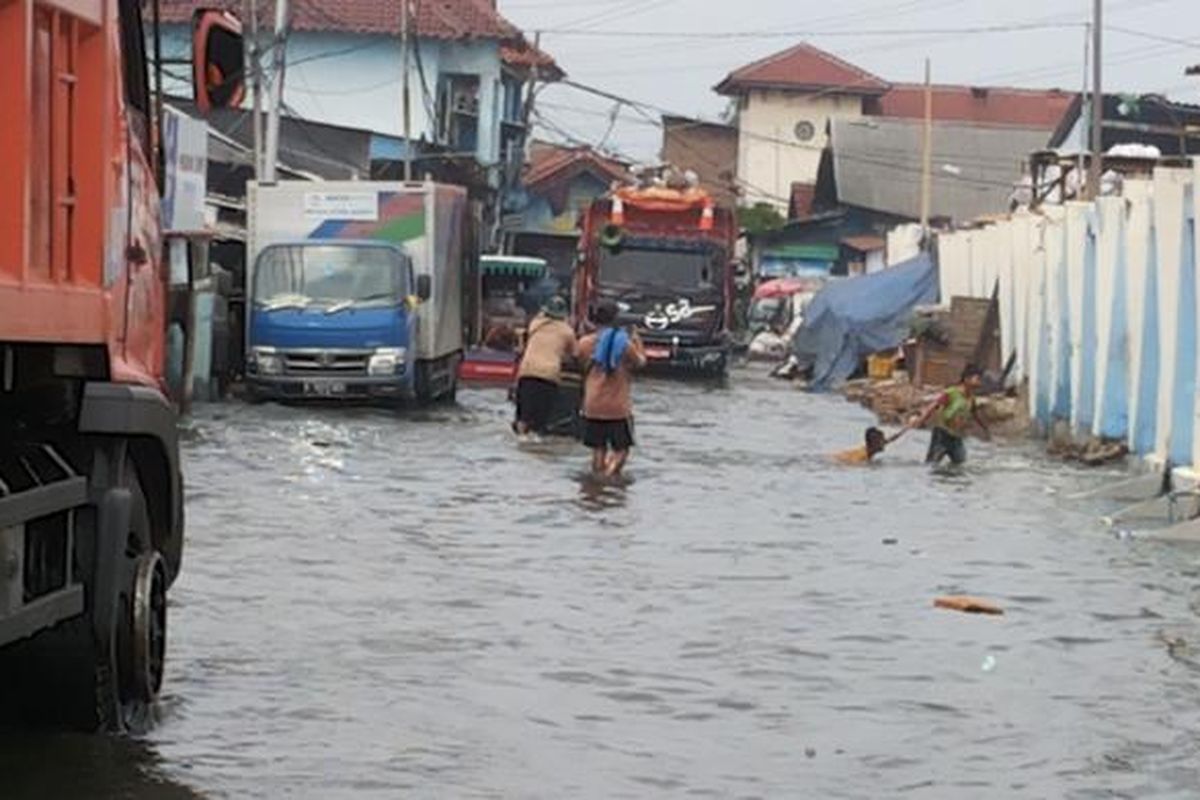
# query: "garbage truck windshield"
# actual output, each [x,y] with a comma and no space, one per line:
[329,275]
[688,269]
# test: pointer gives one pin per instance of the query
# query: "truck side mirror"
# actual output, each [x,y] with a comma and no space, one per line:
[218,60]
[424,287]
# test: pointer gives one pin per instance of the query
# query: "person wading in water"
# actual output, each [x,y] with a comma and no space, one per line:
[609,355]
[951,414]
[548,344]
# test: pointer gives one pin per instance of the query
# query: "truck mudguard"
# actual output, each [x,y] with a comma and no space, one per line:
[145,415]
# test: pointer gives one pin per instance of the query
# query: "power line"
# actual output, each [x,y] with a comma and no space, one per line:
[810,33]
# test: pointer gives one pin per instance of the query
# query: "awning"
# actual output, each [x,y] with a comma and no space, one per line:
[804,252]
[519,266]
[865,243]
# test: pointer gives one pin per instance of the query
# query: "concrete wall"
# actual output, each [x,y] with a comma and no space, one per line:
[711,151]
[770,156]
[1100,303]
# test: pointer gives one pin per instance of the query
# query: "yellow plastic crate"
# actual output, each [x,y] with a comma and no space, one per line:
[881,366]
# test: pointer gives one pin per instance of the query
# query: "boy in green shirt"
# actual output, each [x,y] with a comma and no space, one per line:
[951,414]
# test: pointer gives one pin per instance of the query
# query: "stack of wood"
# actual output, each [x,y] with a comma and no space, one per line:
[972,336]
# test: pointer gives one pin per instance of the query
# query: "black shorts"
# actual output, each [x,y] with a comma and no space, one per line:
[615,434]
[536,399]
[944,444]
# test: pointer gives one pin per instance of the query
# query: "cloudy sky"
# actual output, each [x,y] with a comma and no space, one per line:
[1037,43]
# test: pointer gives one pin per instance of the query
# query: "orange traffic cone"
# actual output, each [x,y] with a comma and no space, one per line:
[706,217]
[618,211]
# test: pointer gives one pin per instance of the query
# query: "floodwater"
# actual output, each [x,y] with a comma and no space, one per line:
[383,606]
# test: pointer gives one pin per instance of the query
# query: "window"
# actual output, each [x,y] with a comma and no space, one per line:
[458,112]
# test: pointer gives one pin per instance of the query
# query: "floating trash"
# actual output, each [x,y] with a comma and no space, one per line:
[968,605]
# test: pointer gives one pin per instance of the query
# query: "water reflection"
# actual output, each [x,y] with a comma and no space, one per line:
[41,766]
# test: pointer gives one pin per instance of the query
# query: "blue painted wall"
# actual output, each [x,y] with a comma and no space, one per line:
[354,80]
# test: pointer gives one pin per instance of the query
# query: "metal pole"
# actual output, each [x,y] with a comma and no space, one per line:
[1096,169]
[159,163]
[254,71]
[406,108]
[927,153]
[279,61]
[1085,105]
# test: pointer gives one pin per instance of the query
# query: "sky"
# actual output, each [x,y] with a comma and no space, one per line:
[1034,43]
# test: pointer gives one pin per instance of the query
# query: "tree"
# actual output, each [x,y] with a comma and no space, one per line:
[760,218]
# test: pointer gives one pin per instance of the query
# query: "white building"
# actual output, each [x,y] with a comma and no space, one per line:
[785,104]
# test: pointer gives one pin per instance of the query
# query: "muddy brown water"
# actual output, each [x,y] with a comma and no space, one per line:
[379,606]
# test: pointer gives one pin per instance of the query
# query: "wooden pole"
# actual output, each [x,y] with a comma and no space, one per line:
[927,153]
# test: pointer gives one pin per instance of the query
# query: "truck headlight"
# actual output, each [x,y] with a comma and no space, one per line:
[386,361]
[268,360]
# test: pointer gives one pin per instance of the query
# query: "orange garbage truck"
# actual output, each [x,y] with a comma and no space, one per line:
[91,496]
[664,256]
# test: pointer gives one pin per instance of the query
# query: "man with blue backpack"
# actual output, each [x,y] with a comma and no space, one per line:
[609,356]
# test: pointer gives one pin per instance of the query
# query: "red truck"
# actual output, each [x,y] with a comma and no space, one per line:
[91,497]
[664,256]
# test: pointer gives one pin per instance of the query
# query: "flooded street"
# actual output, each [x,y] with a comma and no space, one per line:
[374,606]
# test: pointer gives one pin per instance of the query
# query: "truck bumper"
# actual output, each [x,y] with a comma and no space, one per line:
[322,387]
[691,358]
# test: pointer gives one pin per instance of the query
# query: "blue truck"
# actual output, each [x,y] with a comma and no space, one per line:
[355,291]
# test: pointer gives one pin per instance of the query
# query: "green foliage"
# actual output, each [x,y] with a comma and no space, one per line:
[760,218]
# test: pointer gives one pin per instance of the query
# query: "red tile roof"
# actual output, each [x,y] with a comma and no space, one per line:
[434,19]
[526,57]
[547,161]
[803,68]
[1029,108]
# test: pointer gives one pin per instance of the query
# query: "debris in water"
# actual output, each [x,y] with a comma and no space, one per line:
[811,752]
[968,605]
[891,541]
[989,663]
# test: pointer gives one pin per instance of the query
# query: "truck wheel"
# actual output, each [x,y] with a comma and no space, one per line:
[123,652]
[102,669]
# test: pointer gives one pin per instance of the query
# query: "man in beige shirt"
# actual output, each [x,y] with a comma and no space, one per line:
[609,357]
[548,343]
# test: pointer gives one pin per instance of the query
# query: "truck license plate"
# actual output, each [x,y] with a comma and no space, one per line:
[324,388]
[658,352]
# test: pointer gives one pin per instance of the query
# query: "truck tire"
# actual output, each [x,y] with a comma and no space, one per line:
[102,671]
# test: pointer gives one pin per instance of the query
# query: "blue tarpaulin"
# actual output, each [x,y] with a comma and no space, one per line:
[850,319]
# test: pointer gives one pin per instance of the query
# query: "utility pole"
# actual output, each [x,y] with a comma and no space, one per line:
[1085,105]
[534,76]
[927,154]
[1096,169]
[405,103]
[279,61]
[254,70]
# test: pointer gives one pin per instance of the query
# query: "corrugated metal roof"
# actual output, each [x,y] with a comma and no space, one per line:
[803,68]
[1037,108]
[877,166]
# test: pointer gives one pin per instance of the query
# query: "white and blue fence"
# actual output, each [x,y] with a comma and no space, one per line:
[1099,302]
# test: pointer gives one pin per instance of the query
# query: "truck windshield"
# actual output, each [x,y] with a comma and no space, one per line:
[329,275]
[666,268]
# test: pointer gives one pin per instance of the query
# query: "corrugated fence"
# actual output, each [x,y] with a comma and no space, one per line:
[1099,302]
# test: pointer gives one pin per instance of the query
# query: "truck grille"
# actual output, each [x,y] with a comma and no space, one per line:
[330,362]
